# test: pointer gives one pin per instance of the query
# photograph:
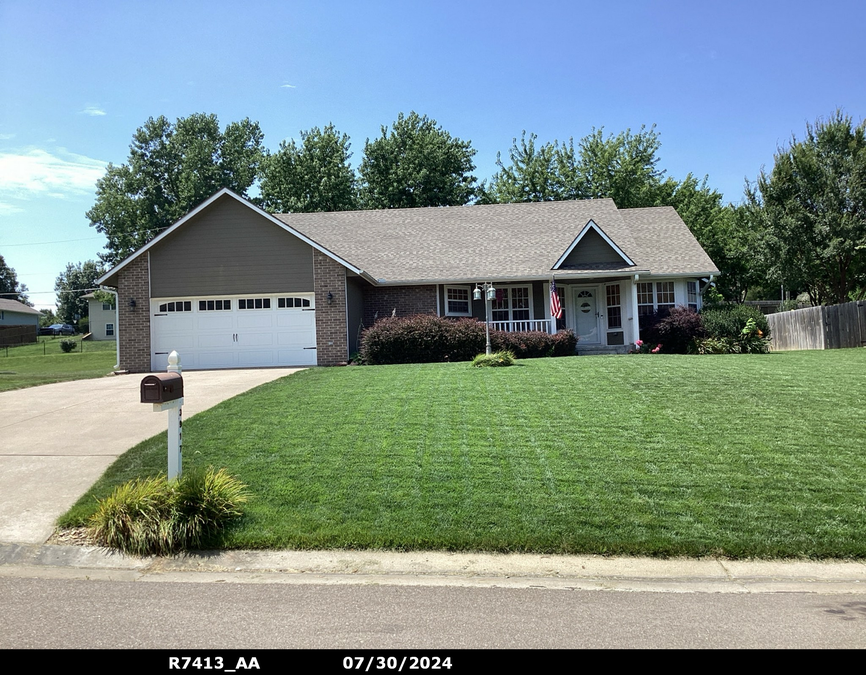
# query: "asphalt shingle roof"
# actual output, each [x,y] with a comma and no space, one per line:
[500,241]
[14,306]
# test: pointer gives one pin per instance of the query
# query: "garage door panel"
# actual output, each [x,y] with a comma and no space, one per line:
[216,322]
[261,320]
[224,341]
[253,358]
[216,359]
[296,357]
[255,339]
[299,338]
[296,319]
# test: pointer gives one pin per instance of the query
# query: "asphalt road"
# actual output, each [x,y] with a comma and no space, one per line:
[58,613]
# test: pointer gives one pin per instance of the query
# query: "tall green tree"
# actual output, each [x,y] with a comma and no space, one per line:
[74,282]
[171,169]
[312,176]
[10,289]
[532,175]
[416,163]
[813,208]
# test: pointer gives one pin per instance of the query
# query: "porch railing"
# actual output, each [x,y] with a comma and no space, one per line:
[520,326]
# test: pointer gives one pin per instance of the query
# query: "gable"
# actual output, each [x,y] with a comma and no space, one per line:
[592,248]
[230,249]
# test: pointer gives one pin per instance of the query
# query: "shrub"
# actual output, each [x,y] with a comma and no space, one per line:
[152,516]
[678,331]
[735,329]
[67,345]
[534,344]
[426,338]
[494,360]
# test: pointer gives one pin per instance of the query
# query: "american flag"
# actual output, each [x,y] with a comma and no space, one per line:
[555,307]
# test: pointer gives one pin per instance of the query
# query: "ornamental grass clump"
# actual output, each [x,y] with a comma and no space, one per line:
[152,516]
[494,360]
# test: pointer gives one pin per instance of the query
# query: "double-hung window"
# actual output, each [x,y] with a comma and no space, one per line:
[512,303]
[457,302]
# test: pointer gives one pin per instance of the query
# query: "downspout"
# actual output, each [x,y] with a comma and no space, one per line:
[116,323]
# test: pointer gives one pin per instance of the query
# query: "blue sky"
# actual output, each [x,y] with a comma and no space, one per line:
[725,84]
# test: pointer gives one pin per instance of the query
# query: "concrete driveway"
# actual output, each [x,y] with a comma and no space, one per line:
[57,439]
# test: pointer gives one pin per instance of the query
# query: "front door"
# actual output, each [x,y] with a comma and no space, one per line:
[585,314]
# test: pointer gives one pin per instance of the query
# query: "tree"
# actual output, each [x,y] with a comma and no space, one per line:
[171,169]
[417,163]
[10,289]
[813,209]
[532,175]
[313,177]
[622,167]
[77,280]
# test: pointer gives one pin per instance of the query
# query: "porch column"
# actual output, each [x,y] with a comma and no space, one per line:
[635,326]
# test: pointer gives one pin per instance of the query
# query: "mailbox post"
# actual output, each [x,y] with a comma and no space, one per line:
[165,392]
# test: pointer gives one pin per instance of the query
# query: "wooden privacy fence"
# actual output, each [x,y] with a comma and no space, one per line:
[825,327]
[17,335]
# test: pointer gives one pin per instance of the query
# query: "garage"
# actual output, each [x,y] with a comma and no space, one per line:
[234,331]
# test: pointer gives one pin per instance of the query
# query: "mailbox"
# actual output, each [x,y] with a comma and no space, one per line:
[161,388]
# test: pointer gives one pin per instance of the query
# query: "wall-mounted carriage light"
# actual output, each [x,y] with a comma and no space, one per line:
[132,304]
[330,297]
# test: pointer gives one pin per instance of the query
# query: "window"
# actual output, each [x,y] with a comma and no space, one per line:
[289,303]
[511,304]
[664,296]
[109,330]
[457,301]
[614,307]
[692,292]
[176,306]
[254,303]
[645,305]
[107,306]
[214,305]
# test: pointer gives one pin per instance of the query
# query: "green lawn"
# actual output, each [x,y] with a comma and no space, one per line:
[43,362]
[741,455]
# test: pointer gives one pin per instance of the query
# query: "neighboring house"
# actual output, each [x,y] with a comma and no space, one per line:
[19,323]
[231,286]
[103,319]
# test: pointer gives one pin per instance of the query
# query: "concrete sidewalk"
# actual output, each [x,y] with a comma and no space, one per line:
[436,568]
[57,439]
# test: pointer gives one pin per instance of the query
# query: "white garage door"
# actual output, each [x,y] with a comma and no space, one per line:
[234,331]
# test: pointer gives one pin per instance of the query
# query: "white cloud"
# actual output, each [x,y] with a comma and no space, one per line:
[8,209]
[6,137]
[93,111]
[287,86]
[37,172]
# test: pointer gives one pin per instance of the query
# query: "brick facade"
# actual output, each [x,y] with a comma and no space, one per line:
[406,300]
[329,276]
[134,329]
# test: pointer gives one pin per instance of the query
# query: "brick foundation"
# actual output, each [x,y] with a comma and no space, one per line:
[329,276]
[406,300]
[134,329]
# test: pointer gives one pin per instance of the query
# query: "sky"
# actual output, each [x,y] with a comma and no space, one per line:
[725,84]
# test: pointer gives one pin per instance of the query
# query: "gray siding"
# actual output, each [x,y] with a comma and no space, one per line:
[354,310]
[229,249]
[589,250]
[8,318]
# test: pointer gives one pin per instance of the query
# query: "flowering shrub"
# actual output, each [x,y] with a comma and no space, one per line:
[735,329]
[494,360]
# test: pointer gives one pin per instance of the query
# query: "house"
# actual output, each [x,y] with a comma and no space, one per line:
[102,317]
[232,286]
[19,324]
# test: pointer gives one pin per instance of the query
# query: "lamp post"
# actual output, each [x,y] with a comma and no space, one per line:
[490,292]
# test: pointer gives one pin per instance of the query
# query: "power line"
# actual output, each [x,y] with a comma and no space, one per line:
[59,241]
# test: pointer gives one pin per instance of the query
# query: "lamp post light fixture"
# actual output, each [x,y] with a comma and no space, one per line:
[490,293]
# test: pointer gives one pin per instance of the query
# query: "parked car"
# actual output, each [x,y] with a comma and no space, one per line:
[58,329]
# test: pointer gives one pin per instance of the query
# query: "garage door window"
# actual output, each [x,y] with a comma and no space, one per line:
[254,303]
[214,305]
[178,306]
[289,303]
